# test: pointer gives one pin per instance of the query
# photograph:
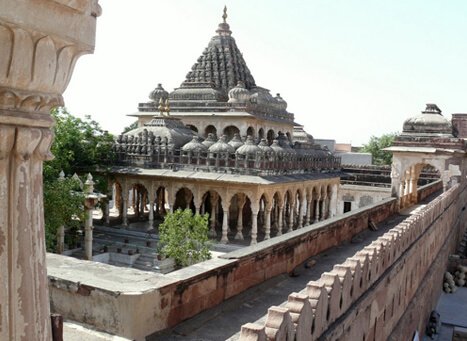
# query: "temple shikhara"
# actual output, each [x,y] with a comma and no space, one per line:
[304,247]
[223,145]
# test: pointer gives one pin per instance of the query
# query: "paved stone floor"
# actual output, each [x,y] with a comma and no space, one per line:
[73,331]
[224,321]
[453,311]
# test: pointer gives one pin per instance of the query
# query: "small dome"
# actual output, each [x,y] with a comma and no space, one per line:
[158,93]
[429,122]
[236,142]
[210,140]
[194,145]
[276,147]
[281,104]
[249,148]
[284,143]
[239,94]
[263,145]
[221,146]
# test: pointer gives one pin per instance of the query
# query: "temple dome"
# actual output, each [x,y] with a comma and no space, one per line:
[236,142]
[158,93]
[249,148]
[210,140]
[239,94]
[170,129]
[194,145]
[263,145]
[221,146]
[429,122]
[281,103]
[276,147]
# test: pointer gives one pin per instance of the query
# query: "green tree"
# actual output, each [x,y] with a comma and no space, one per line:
[184,237]
[376,145]
[132,126]
[63,206]
[79,145]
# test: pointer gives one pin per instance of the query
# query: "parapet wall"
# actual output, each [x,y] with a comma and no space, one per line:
[135,304]
[385,291]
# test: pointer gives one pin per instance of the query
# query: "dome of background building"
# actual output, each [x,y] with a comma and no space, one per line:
[263,145]
[249,148]
[210,140]
[276,147]
[221,146]
[281,103]
[194,145]
[158,93]
[239,94]
[236,142]
[429,122]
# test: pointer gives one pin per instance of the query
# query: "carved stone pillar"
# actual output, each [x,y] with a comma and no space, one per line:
[300,213]
[240,204]
[317,210]
[280,221]
[254,225]
[308,211]
[267,223]
[225,227]
[333,208]
[125,194]
[36,61]
[291,218]
[151,212]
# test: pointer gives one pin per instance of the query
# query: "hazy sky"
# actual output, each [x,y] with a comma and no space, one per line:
[348,69]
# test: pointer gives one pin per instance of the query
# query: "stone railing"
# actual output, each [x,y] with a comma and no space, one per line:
[365,297]
[257,164]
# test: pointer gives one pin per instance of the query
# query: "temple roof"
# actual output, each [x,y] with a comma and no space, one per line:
[221,62]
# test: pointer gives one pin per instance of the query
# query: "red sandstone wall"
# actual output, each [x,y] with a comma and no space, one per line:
[385,291]
[259,263]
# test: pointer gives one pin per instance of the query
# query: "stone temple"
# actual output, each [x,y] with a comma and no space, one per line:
[267,180]
[223,145]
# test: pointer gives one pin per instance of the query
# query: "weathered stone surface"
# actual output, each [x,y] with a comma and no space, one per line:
[36,63]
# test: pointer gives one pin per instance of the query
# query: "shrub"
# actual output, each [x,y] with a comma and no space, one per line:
[184,237]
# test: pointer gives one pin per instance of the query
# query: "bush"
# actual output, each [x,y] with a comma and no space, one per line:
[184,237]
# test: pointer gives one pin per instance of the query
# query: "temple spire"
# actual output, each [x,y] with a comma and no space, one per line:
[224,16]
[224,28]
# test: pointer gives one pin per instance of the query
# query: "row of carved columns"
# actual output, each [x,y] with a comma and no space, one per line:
[238,216]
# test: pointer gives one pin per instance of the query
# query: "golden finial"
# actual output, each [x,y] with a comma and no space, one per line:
[161,106]
[224,16]
[167,107]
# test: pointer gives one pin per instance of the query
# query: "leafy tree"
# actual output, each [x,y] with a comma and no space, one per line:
[79,145]
[376,145]
[63,206]
[184,237]
[132,126]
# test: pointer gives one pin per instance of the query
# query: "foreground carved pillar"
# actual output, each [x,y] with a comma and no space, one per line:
[254,225]
[241,204]
[280,221]
[40,42]
[225,227]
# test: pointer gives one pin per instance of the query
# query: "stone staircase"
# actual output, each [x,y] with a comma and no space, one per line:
[145,262]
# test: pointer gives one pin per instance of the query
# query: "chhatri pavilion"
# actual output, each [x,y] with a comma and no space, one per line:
[220,144]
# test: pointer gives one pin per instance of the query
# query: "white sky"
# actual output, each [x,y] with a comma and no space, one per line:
[348,69]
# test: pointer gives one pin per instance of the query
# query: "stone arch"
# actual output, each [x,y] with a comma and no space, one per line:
[192,127]
[270,136]
[230,131]
[138,199]
[184,199]
[161,200]
[212,204]
[240,215]
[261,133]
[210,129]
[250,131]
